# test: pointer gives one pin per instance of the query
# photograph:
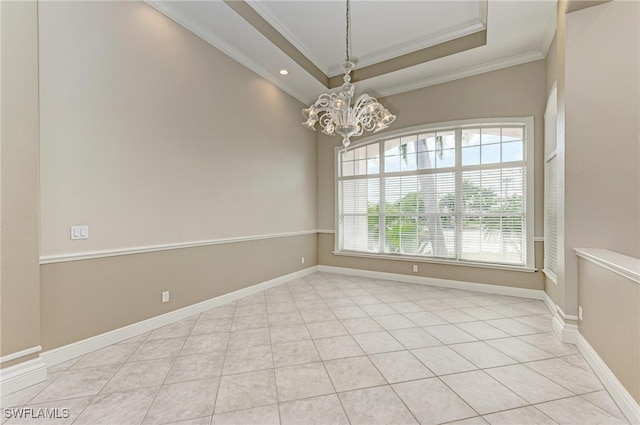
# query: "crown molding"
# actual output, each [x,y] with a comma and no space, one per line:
[456,75]
[279,26]
[549,33]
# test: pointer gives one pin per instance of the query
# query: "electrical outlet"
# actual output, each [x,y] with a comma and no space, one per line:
[580,312]
[165,297]
[415,268]
[302,260]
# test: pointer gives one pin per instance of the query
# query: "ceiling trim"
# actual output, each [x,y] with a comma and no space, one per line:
[219,43]
[427,54]
[549,33]
[281,29]
[468,72]
[254,19]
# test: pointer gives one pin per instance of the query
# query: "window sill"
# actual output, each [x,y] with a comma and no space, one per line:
[435,261]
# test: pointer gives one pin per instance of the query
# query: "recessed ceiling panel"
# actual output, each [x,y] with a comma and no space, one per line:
[380,30]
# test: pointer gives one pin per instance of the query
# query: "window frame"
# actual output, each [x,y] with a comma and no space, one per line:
[459,125]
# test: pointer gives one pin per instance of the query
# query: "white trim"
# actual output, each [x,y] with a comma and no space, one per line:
[616,390]
[549,33]
[468,72]
[436,126]
[60,258]
[566,332]
[625,266]
[22,375]
[434,261]
[534,294]
[549,303]
[19,354]
[551,275]
[79,348]
[326,231]
[538,238]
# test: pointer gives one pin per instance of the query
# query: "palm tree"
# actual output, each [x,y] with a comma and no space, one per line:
[429,195]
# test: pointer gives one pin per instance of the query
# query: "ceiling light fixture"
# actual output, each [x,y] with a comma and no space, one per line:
[284,72]
[334,113]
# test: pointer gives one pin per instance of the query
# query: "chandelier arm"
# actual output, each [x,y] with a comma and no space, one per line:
[333,112]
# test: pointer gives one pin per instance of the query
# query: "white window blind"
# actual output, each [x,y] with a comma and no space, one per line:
[551,217]
[458,194]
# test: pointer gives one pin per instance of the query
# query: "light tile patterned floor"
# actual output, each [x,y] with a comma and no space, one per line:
[335,349]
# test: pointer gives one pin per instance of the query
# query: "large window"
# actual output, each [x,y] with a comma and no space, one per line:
[551,200]
[457,193]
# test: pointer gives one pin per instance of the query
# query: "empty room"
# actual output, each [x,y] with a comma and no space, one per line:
[320,212]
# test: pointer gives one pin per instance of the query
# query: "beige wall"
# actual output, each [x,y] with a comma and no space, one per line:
[551,62]
[602,145]
[611,321]
[20,286]
[152,136]
[488,276]
[84,298]
[511,92]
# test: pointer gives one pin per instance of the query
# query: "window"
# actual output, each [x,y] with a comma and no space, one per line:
[457,193]
[551,200]
[551,217]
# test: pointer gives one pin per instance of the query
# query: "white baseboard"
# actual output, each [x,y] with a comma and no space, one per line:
[80,348]
[620,395]
[566,332]
[22,375]
[549,303]
[20,354]
[535,294]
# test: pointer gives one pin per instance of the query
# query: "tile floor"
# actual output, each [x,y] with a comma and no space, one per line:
[335,349]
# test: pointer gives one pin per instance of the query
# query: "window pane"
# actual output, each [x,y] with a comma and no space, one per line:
[446,158]
[471,137]
[357,234]
[360,167]
[490,135]
[347,168]
[360,153]
[490,154]
[471,155]
[512,151]
[511,134]
[357,195]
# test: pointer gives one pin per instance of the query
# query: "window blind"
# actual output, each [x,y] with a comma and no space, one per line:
[458,194]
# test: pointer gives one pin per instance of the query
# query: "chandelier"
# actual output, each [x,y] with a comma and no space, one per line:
[334,113]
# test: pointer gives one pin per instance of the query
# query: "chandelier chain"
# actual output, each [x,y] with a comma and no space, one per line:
[347,32]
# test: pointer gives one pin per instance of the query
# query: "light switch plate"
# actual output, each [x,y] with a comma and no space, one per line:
[79,232]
